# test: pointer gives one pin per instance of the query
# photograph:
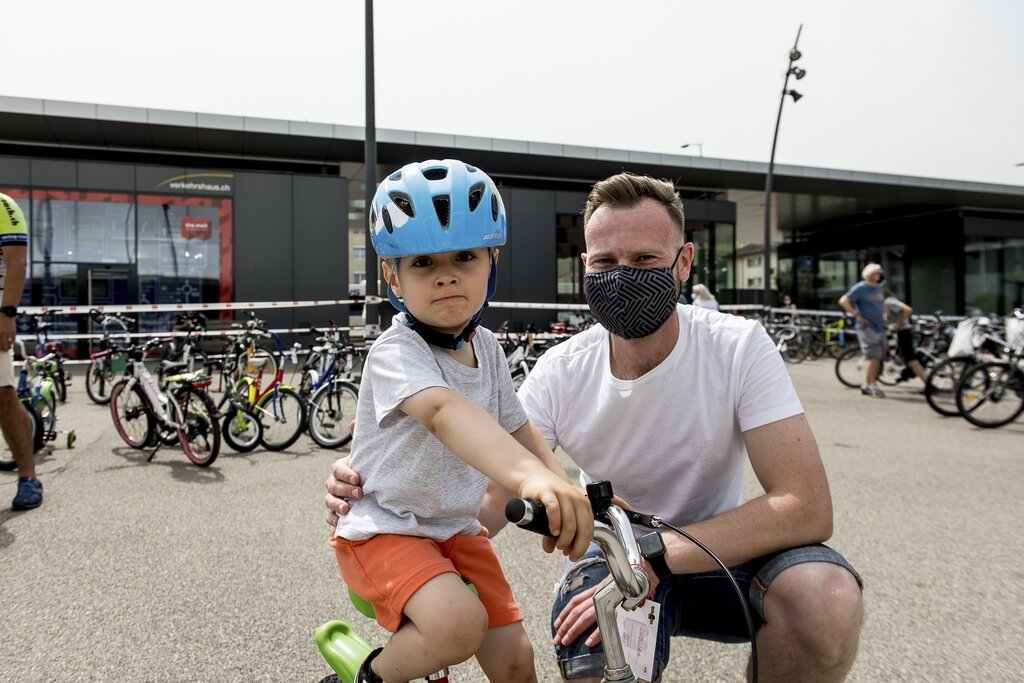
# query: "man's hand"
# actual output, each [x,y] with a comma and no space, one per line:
[341,485]
[578,616]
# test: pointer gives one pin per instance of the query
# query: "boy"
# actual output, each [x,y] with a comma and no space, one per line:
[435,413]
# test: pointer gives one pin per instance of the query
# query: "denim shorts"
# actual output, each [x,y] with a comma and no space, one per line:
[696,605]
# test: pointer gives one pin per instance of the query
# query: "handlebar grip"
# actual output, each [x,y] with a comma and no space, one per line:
[528,514]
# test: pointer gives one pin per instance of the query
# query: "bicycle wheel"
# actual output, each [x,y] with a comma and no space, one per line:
[99,378]
[331,409]
[889,374]
[940,390]
[282,414]
[242,430]
[518,377]
[794,350]
[60,384]
[991,394]
[36,430]
[200,433]
[850,368]
[130,411]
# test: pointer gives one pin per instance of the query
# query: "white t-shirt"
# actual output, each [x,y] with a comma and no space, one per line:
[671,441]
[414,485]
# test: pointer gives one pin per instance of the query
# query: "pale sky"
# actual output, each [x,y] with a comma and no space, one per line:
[915,87]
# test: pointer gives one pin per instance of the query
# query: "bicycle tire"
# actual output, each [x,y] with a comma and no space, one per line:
[60,385]
[518,377]
[132,416]
[36,430]
[850,368]
[99,379]
[199,437]
[241,430]
[331,409]
[794,351]
[889,373]
[282,413]
[991,394]
[940,389]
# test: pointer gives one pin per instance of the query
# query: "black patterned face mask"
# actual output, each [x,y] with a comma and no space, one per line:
[632,302]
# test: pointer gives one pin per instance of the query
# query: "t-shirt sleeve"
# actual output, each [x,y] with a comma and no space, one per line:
[766,392]
[538,403]
[854,293]
[397,368]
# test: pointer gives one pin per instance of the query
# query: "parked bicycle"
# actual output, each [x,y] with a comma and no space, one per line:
[37,387]
[145,416]
[280,408]
[975,340]
[332,394]
[108,364]
[991,393]
[54,351]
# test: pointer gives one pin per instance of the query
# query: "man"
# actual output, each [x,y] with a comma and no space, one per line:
[864,301]
[668,402]
[16,428]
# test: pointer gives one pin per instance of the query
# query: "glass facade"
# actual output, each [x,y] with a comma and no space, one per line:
[102,248]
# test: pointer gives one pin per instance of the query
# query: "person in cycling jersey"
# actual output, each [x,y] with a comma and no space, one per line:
[670,403]
[16,429]
[435,387]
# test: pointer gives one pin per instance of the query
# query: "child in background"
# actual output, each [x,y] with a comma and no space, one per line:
[437,416]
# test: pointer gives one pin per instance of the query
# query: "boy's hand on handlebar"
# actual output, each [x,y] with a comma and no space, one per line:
[570,517]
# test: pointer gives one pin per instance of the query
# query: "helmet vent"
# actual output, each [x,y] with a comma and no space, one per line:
[471,169]
[494,206]
[404,203]
[387,221]
[395,177]
[476,193]
[442,205]
[436,174]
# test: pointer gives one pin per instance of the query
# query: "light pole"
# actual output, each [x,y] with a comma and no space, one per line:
[371,319]
[799,73]
[698,145]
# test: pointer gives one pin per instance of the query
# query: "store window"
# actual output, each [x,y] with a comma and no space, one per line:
[78,227]
[568,248]
[184,251]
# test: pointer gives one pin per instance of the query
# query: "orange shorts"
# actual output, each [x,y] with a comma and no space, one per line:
[387,569]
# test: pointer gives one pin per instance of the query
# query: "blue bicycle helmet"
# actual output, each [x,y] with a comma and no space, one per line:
[434,207]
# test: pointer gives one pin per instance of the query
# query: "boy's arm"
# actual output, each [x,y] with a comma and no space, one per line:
[474,436]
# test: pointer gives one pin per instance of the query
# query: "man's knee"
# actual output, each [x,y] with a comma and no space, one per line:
[820,604]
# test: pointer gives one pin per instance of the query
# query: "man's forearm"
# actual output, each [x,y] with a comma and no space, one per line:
[760,526]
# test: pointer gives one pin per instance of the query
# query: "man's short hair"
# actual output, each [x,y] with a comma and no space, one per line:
[626,190]
[870,268]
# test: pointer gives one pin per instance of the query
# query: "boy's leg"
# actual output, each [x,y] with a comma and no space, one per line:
[506,655]
[446,625]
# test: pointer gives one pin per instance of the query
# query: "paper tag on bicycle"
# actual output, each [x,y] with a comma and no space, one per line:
[638,631]
[295,357]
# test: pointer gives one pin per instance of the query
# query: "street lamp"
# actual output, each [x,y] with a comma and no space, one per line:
[798,73]
[698,145]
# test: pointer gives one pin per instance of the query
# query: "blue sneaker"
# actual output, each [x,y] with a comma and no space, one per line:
[30,494]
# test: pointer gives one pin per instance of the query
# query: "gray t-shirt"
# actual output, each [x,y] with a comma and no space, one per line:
[893,310]
[413,484]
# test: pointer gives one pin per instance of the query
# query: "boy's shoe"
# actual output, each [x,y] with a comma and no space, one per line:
[365,673]
[30,494]
[873,391]
[7,465]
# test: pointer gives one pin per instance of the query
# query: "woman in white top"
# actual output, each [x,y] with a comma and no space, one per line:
[703,297]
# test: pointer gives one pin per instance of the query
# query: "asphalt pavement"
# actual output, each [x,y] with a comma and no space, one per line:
[163,571]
